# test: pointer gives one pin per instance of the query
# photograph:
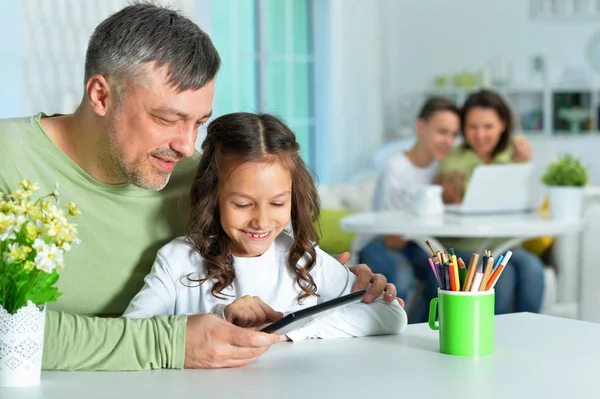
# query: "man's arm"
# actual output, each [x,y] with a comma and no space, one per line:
[74,342]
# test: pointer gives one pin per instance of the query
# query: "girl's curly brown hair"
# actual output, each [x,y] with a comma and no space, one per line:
[251,138]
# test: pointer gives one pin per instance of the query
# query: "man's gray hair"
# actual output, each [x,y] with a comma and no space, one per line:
[144,33]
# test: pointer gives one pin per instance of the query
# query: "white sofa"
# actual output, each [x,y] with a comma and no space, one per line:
[357,197]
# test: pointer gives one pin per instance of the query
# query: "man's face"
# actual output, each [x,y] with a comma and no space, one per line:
[153,127]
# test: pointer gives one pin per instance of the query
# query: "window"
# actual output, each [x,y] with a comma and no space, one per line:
[267,62]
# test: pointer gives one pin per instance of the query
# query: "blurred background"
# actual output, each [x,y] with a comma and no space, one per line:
[347,75]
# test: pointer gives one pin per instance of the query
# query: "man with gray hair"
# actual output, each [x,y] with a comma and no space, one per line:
[126,157]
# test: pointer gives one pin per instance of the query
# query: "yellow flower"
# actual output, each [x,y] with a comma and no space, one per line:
[45,205]
[72,209]
[20,194]
[27,185]
[49,229]
[28,266]
[31,232]
[29,208]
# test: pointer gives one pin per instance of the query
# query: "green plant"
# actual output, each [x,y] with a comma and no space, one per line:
[34,237]
[566,171]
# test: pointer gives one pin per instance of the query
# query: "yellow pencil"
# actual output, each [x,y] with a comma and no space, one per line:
[455,262]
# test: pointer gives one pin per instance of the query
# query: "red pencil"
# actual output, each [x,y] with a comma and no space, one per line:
[452,274]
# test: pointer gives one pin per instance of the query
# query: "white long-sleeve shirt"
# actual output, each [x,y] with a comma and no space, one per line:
[168,290]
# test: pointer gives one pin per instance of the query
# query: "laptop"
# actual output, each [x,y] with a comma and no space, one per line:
[498,189]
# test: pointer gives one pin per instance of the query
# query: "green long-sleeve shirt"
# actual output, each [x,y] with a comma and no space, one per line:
[121,230]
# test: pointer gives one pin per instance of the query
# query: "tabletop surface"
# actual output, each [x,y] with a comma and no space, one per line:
[535,356]
[453,225]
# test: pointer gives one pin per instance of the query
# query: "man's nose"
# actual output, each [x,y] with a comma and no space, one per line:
[185,141]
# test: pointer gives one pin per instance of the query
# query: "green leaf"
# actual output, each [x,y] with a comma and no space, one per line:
[49,294]
[565,171]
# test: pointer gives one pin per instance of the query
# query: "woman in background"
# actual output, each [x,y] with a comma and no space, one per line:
[487,125]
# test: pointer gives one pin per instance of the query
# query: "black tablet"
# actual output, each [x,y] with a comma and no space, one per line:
[300,318]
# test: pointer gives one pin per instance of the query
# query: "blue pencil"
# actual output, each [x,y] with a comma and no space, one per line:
[439,273]
[498,261]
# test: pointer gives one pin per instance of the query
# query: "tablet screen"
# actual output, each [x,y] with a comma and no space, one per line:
[300,318]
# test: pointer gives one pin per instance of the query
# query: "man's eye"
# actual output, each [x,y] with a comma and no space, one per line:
[164,121]
[241,206]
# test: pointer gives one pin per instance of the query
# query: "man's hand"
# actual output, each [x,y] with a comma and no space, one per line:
[250,311]
[522,149]
[211,342]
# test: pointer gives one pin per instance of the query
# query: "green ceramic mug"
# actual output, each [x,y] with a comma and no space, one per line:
[466,322]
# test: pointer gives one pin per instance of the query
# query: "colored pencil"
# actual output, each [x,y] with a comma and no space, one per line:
[437,277]
[471,271]
[489,268]
[430,247]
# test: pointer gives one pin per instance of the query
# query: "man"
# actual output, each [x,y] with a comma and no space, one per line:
[126,157]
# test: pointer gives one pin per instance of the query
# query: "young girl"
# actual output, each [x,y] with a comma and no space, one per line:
[396,258]
[237,260]
[487,125]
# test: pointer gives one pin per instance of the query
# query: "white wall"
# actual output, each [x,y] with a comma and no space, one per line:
[426,38]
[452,36]
[356,85]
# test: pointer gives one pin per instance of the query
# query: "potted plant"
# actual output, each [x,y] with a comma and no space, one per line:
[566,178]
[34,236]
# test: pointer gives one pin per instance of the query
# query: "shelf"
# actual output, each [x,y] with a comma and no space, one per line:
[536,108]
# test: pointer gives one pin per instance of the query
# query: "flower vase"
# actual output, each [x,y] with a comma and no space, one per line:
[21,345]
[566,202]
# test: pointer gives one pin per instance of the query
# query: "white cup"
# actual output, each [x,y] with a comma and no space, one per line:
[427,200]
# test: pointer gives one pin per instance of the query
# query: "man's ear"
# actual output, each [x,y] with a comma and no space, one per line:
[99,94]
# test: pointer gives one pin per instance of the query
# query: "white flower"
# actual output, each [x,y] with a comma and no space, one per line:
[13,253]
[48,258]
[38,244]
[56,194]
[7,229]
[18,223]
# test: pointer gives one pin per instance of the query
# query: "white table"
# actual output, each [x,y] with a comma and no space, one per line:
[535,356]
[513,228]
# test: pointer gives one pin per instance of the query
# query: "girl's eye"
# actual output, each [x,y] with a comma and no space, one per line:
[278,204]
[241,206]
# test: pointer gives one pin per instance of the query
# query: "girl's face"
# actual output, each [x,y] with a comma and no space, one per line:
[255,205]
[483,129]
[438,133]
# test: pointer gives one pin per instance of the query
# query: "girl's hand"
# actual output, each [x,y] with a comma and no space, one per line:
[522,149]
[250,311]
